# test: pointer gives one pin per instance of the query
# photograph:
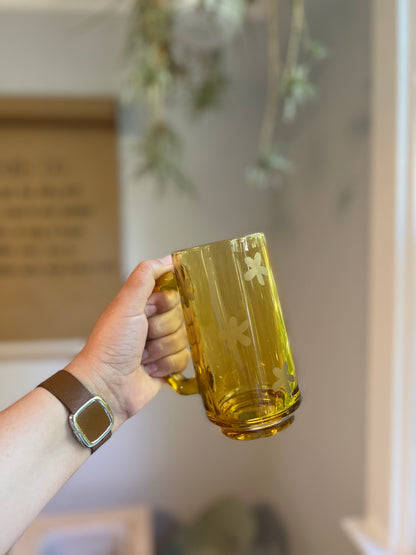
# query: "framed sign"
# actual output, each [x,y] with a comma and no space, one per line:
[59,216]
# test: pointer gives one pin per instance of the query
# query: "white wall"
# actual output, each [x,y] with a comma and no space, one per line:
[322,267]
[170,456]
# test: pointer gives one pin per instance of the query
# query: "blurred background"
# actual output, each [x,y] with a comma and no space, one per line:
[170,458]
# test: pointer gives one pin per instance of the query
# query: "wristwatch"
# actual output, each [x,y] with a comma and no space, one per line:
[90,417]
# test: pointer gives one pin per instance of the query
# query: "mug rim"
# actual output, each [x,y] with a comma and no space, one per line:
[259,234]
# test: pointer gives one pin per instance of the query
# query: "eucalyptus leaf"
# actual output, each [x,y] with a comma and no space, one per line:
[160,157]
[296,89]
[269,170]
[316,51]
[207,92]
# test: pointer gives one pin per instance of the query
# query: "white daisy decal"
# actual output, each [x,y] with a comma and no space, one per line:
[284,379]
[234,333]
[255,269]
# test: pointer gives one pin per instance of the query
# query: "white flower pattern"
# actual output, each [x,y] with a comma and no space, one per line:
[255,269]
[234,333]
[284,379]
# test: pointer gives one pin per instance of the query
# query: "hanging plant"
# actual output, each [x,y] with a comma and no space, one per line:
[175,51]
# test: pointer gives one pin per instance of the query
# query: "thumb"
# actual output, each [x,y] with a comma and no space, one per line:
[141,282]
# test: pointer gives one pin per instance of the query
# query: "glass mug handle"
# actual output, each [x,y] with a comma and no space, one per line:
[181,384]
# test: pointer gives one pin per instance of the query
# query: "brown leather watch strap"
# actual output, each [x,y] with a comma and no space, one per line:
[72,394]
[67,389]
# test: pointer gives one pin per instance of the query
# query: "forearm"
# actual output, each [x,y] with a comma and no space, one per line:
[38,454]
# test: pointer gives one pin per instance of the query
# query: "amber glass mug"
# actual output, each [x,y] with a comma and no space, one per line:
[240,350]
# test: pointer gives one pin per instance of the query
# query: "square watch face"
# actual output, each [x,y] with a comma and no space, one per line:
[92,421]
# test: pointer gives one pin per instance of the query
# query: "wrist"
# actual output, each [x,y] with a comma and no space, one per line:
[98,382]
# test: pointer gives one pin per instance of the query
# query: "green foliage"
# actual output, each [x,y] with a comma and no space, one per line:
[164,65]
[160,151]
[269,170]
[296,89]
[316,51]
[151,68]
[208,92]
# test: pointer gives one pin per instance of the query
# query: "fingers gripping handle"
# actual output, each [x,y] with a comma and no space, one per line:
[167,281]
[181,384]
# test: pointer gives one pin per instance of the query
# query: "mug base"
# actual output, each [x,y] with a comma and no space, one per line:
[256,434]
[250,415]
